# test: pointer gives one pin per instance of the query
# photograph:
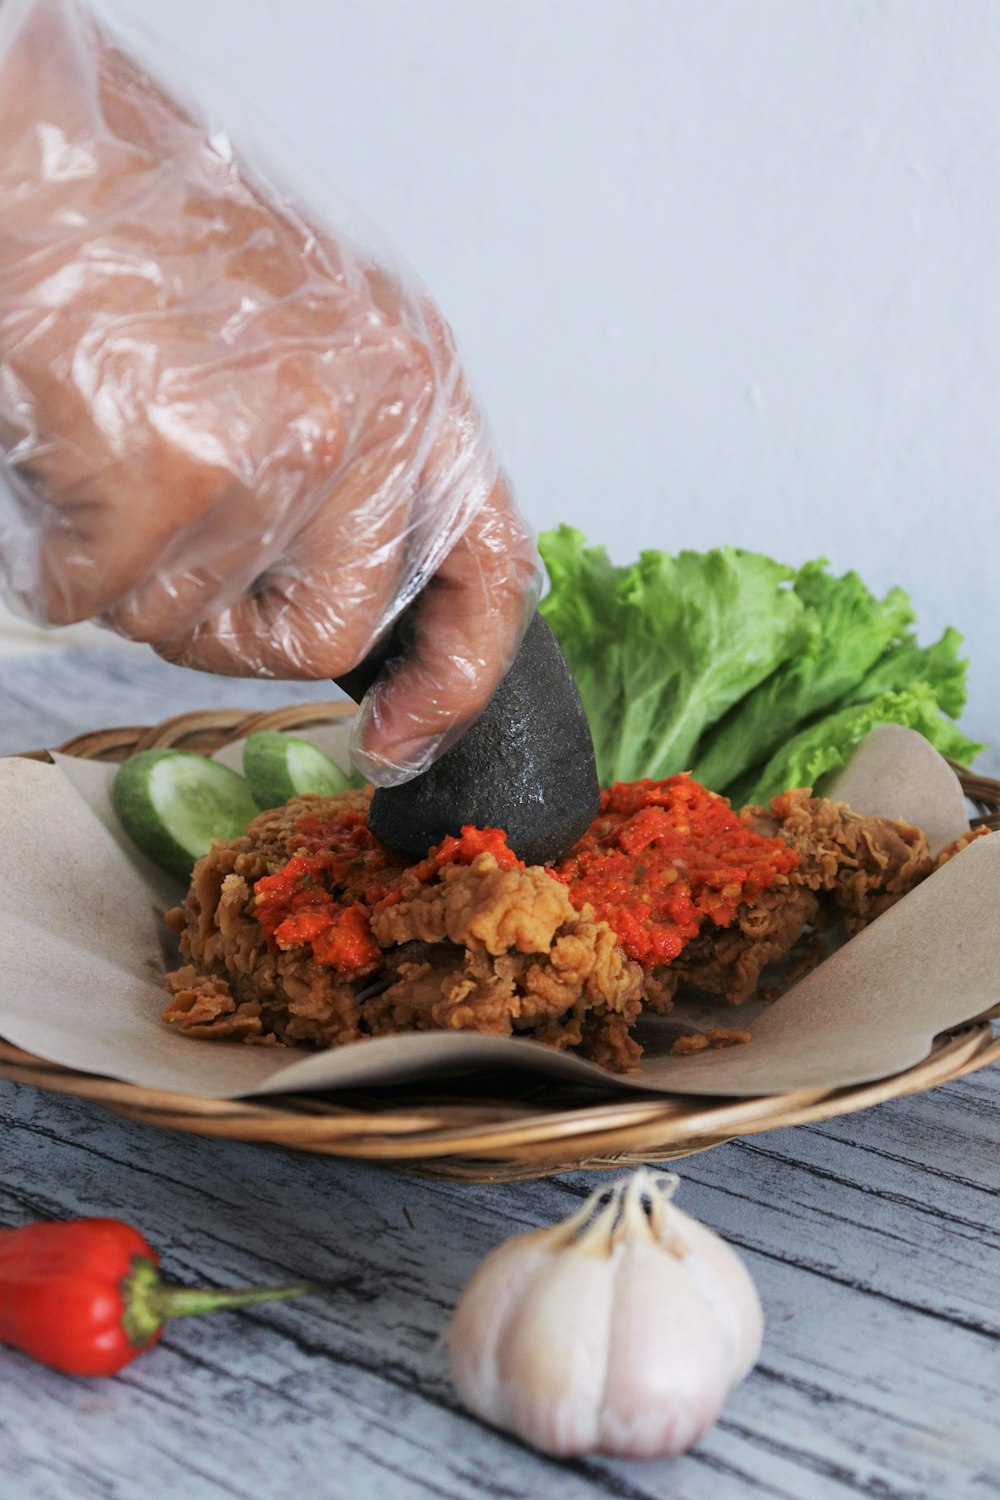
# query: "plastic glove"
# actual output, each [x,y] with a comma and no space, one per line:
[225,428]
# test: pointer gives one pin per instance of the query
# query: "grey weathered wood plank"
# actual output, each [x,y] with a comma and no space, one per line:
[859,1391]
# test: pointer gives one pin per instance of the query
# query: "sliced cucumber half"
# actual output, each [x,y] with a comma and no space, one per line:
[173,803]
[278,766]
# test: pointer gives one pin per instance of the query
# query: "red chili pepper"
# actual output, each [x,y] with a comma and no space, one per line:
[85,1296]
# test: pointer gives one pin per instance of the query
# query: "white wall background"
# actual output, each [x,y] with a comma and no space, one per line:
[723,270]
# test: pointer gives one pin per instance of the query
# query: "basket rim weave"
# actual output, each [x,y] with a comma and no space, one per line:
[476,1132]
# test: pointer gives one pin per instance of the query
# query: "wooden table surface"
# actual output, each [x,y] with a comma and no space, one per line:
[873,1239]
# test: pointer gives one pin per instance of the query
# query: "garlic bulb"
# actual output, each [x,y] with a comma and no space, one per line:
[620,1331]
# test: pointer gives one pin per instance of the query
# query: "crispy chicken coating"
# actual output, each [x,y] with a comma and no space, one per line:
[479,948]
[851,869]
[485,944]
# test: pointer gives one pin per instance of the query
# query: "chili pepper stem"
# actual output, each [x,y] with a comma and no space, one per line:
[149,1302]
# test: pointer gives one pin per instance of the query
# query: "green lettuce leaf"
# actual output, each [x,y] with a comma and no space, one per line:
[847,631]
[824,747]
[663,649]
[755,676]
[582,611]
[905,663]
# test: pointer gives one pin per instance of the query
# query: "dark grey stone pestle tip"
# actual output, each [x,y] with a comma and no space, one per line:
[526,765]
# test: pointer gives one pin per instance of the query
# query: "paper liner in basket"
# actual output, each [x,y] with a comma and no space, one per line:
[84,951]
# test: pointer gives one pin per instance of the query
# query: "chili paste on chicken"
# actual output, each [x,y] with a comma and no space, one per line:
[308,931]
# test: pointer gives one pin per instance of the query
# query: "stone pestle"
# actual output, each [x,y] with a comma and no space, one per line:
[526,765]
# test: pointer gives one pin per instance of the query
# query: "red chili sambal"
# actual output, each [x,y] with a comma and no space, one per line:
[464,849]
[660,859]
[663,857]
[325,895]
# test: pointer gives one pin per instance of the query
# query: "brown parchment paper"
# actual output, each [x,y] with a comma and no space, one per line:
[84,949]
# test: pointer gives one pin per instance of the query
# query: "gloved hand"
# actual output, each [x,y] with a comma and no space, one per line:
[224,428]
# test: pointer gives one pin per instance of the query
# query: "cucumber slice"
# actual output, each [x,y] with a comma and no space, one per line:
[173,803]
[278,766]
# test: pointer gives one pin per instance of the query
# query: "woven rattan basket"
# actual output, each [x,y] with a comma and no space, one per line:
[486,1129]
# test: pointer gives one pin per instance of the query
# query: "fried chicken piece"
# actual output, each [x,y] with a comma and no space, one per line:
[234,984]
[512,956]
[713,1036]
[962,842]
[272,997]
[861,865]
[851,869]
[203,1006]
[480,948]
[729,962]
[479,906]
[477,944]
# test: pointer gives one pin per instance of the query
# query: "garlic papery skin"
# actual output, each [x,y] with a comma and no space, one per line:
[620,1331]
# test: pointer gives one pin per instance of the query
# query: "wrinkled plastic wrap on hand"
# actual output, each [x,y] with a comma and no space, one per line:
[227,427]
